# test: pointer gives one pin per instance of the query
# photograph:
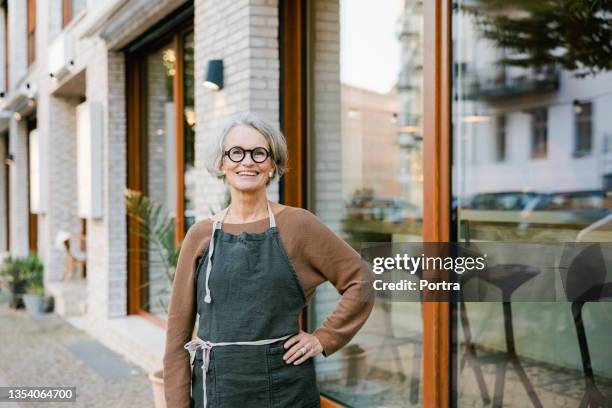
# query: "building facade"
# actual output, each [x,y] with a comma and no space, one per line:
[398,128]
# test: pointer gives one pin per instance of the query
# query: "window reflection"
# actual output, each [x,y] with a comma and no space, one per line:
[531,162]
[160,166]
[189,121]
[367,79]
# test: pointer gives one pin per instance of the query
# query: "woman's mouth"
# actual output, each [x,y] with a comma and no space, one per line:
[247,174]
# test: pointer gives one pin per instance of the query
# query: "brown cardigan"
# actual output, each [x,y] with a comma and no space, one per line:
[317,255]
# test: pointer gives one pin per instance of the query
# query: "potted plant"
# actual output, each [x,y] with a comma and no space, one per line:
[157,233]
[14,279]
[35,300]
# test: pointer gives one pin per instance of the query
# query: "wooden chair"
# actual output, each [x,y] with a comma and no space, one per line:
[75,246]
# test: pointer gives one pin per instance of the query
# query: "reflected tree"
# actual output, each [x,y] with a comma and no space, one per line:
[575,35]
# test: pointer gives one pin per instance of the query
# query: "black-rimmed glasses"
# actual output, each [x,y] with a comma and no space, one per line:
[237,154]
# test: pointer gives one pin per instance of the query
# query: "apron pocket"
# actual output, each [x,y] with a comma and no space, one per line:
[196,384]
[241,376]
[292,385]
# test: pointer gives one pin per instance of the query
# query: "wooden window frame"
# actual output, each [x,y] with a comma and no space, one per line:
[137,142]
[32,217]
[437,227]
[7,191]
[31,31]
[6,47]
[67,12]
[437,223]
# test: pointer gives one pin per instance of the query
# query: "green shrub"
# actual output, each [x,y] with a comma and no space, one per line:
[32,268]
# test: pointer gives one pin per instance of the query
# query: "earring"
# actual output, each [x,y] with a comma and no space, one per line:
[271,174]
[223,172]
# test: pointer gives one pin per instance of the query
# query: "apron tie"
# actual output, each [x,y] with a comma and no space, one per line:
[211,246]
[206,346]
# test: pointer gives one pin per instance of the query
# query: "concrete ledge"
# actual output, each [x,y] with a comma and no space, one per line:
[134,337]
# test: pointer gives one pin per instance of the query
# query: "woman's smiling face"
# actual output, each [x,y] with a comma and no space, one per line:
[246,175]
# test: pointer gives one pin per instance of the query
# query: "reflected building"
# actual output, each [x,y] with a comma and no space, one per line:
[535,138]
[410,94]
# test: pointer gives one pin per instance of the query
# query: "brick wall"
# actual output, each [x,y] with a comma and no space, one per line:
[107,278]
[56,123]
[18,51]
[244,33]
[19,192]
[329,204]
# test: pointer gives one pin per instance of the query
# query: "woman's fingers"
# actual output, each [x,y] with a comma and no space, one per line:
[298,344]
[295,351]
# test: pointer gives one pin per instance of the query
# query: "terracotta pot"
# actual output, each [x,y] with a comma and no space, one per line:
[157,382]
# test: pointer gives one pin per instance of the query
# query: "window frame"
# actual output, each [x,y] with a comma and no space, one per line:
[67,12]
[501,133]
[539,133]
[583,144]
[137,142]
[31,31]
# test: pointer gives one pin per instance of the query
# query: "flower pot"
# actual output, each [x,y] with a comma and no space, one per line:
[33,304]
[47,304]
[17,290]
[354,364]
[157,382]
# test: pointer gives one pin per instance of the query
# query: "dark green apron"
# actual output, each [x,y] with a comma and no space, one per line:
[249,301]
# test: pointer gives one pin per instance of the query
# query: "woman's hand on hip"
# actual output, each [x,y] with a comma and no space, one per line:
[301,347]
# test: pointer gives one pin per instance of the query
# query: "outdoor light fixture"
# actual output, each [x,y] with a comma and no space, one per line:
[214,75]
[577,107]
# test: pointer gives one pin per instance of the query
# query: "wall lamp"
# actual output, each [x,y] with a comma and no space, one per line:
[9,159]
[214,75]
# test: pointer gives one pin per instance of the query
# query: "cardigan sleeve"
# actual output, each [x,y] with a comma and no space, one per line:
[342,266]
[181,319]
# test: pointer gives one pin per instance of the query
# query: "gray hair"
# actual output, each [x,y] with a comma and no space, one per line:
[273,135]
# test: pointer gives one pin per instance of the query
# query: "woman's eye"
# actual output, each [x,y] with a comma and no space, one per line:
[236,154]
[259,155]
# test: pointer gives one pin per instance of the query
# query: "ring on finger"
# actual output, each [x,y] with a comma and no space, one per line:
[303,350]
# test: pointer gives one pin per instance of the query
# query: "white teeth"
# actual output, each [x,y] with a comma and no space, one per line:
[247,173]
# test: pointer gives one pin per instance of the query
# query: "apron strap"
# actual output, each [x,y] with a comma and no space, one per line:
[211,245]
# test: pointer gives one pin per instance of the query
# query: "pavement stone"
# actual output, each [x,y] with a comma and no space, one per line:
[36,352]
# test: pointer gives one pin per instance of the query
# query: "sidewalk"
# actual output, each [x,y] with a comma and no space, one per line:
[48,351]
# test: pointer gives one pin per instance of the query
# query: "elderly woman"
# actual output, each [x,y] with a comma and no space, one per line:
[248,273]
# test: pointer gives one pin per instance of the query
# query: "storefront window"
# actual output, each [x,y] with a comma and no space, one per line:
[543,68]
[367,132]
[161,149]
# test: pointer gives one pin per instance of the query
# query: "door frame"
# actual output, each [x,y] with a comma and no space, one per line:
[137,140]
